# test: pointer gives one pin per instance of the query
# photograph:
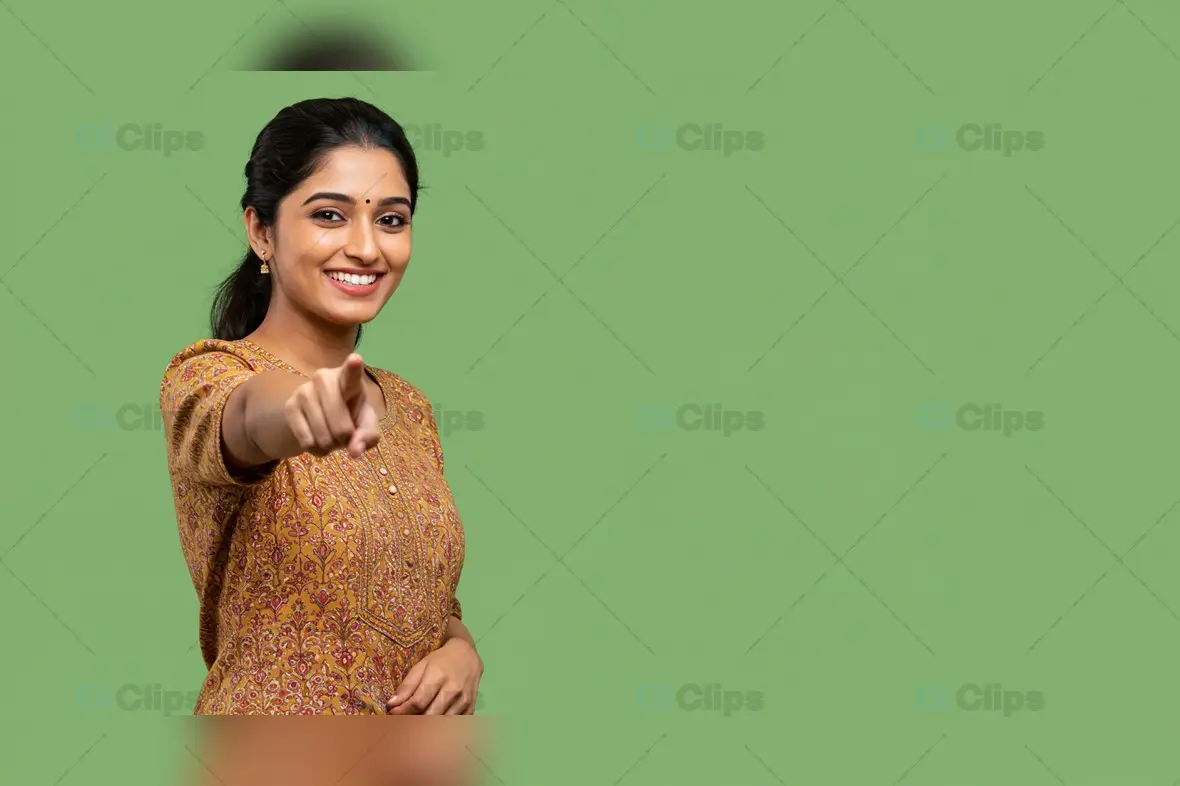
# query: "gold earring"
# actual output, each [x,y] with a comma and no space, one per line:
[265,267]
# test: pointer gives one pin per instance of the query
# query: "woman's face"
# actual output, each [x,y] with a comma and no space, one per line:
[342,238]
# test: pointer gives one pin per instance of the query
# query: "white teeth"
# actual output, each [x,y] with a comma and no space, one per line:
[353,279]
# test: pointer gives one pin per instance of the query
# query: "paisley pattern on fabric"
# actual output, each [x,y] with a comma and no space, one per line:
[321,581]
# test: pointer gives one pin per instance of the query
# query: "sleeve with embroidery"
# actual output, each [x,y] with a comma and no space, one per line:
[434,444]
[193,395]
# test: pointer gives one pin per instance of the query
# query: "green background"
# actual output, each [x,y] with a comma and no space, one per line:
[576,280]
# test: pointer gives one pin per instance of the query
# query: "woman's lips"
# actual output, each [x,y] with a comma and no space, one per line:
[356,290]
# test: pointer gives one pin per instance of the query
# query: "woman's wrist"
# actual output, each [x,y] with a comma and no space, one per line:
[457,632]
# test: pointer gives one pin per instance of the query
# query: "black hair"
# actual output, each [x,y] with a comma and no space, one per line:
[287,151]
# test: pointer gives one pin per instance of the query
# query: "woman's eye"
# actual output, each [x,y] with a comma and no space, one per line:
[394,220]
[325,214]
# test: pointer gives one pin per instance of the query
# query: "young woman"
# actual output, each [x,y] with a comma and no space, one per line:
[318,528]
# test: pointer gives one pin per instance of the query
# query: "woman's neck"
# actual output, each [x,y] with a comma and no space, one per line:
[306,347]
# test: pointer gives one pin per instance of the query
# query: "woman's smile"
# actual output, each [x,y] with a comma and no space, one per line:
[355,284]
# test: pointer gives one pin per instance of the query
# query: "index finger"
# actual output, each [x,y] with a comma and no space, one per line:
[367,433]
[352,376]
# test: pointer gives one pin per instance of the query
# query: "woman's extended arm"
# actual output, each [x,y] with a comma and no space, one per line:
[254,428]
[276,415]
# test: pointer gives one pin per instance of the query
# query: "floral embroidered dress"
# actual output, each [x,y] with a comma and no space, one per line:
[321,581]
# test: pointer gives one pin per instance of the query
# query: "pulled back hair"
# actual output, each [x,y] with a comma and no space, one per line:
[287,151]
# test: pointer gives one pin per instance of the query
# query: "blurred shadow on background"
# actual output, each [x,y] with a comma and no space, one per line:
[332,40]
[346,751]
[337,49]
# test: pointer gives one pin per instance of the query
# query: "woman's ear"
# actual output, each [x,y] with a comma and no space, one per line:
[258,235]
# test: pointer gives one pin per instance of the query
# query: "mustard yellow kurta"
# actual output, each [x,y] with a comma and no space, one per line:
[321,581]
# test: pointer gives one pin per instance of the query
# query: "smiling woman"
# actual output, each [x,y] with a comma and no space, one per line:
[319,531]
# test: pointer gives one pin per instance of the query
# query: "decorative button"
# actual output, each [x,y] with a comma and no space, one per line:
[392,489]
[383,471]
[406,532]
